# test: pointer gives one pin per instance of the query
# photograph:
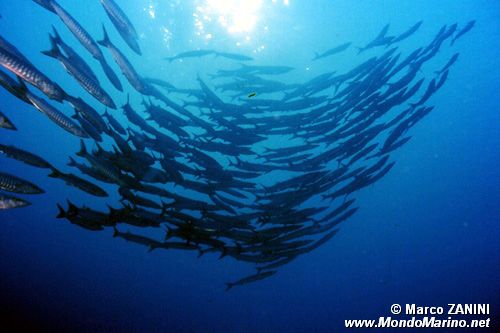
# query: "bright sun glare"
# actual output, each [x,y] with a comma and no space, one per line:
[237,16]
[245,20]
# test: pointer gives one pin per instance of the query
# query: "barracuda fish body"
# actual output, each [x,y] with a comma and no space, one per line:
[88,83]
[126,67]
[14,184]
[122,24]
[24,156]
[10,202]
[56,116]
[30,74]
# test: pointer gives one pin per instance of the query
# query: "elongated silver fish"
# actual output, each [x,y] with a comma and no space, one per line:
[72,54]
[126,67]
[30,74]
[190,54]
[122,24]
[45,4]
[14,184]
[332,51]
[74,26]
[233,56]
[88,83]
[6,45]
[462,32]
[87,127]
[10,202]
[104,167]
[83,37]
[89,113]
[79,183]
[114,123]
[6,123]
[17,89]
[250,279]
[24,156]
[56,116]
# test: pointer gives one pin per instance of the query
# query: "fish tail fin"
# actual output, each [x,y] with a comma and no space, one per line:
[112,211]
[223,253]
[62,213]
[229,285]
[72,209]
[169,233]
[115,231]
[54,173]
[116,150]
[57,38]
[105,40]
[72,162]
[164,208]
[99,148]
[129,137]
[54,51]
[83,149]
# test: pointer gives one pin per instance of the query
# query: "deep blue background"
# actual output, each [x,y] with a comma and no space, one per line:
[427,233]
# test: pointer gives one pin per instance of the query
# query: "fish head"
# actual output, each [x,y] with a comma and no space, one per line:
[9,202]
[108,102]
[29,189]
[19,203]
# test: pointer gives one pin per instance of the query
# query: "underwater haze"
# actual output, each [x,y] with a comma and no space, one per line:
[282,168]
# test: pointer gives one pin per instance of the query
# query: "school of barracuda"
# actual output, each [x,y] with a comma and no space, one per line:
[214,191]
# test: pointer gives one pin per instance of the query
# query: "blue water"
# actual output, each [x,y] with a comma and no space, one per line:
[427,233]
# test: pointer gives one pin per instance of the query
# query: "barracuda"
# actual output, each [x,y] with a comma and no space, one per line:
[122,24]
[14,184]
[10,202]
[83,37]
[30,74]
[56,116]
[88,83]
